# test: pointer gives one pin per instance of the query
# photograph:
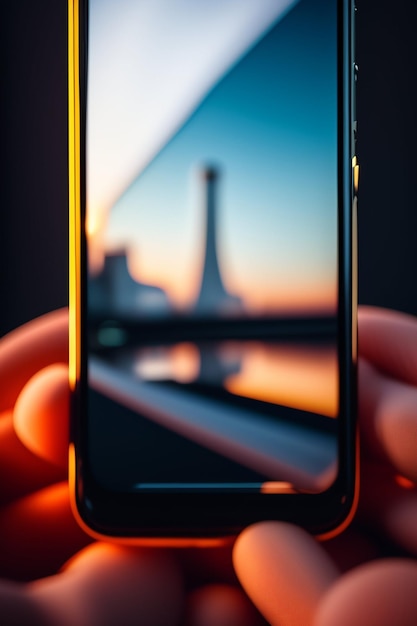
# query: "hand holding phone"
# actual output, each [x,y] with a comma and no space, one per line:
[29,522]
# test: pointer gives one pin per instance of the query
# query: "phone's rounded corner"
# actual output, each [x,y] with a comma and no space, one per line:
[75,509]
[351,504]
[167,541]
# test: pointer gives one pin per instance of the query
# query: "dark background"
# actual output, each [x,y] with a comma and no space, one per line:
[33,139]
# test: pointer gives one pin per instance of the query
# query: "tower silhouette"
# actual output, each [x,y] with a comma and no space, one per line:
[213,297]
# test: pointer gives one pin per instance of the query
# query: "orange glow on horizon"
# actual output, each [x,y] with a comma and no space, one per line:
[259,296]
[270,292]
[261,293]
[316,299]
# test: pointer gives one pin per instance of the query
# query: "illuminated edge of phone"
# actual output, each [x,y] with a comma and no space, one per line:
[74,189]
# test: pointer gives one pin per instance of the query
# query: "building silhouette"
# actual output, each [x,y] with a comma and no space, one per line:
[114,291]
[213,297]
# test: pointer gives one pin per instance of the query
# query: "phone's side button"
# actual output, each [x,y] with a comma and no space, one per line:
[356,177]
[355,174]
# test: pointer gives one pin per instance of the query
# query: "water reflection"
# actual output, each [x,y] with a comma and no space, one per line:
[303,377]
[263,405]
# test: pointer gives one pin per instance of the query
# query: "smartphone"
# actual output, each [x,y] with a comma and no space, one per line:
[212,184]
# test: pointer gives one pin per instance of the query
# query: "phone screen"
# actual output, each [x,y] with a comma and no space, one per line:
[212,225]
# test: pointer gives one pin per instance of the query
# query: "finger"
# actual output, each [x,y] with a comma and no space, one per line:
[388,340]
[389,506]
[284,572]
[21,471]
[41,415]
[376,594]
[400,521]
[388,419]
[108,585]
[26,350]
[220,605]
[38,534]
[17,608]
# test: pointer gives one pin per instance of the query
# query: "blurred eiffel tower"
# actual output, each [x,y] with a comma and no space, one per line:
[213,296]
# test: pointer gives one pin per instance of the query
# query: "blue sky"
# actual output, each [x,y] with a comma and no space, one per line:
[270,126]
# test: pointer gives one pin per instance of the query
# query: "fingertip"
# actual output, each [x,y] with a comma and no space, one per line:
[114,585]
[283,570]
[396,426]
[388,419]
[28,349]
[41,414]
[399,521]
[376,594]
[370,392]
[388,340]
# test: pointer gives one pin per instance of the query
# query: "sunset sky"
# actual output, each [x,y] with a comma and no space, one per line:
[269,125]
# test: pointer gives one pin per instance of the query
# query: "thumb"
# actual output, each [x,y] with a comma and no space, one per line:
[41,414]
[284,572]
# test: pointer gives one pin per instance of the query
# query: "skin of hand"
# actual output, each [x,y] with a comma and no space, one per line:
[51,572]
[292,579]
